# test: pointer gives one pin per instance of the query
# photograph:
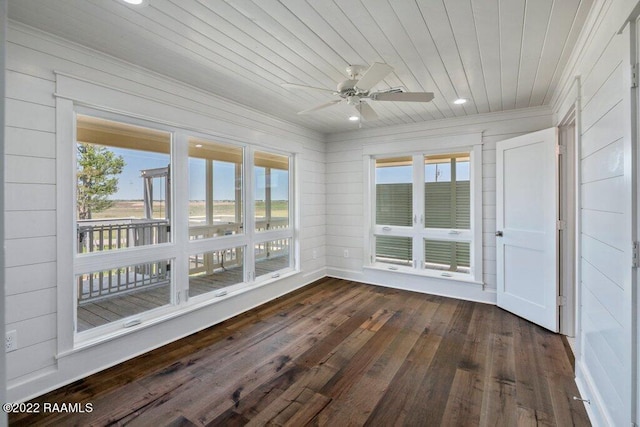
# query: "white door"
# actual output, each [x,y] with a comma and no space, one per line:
[526,220]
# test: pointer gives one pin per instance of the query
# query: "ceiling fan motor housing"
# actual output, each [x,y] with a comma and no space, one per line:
[347,88]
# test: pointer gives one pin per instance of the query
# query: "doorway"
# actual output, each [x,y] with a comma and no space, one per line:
[536,223]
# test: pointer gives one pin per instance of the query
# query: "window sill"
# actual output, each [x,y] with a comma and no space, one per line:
[443,275]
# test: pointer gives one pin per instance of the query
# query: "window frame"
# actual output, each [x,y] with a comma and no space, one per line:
[264,236]
[86,263]
[177,250]
[443,145]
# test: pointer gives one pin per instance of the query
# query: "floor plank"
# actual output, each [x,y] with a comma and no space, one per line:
[340,353]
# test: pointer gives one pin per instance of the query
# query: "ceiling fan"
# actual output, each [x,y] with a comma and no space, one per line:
[357,88]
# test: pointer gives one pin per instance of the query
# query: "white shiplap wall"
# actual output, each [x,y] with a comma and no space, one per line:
[345,194]
[3,379]
[30,203]
[603,354]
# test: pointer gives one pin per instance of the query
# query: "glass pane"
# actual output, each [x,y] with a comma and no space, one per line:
[272,256]
[447,191]
[394,250]
[447,256]
[109,295]
[215,189]
[394,191]
[122,187]
[215,270]
[271,191]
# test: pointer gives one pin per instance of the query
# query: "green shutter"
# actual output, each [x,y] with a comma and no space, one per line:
[446,208]
[394,204]
[463,205]
[395,250]
[450,256]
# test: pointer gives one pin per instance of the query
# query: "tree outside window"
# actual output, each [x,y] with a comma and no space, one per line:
[96,178]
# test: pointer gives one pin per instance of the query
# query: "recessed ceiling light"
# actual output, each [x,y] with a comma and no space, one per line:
[460,101]
[198,145]
[354,118]
[136,2]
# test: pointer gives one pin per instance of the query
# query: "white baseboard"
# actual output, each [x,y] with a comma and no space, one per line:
[595,408]
[425,285]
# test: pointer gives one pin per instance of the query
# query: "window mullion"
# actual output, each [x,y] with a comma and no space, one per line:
[476,212]
[453,260]
[418,210]
[249,214]
[180,219]
[294,250]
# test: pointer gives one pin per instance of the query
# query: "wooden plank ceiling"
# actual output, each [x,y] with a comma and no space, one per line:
[500,54]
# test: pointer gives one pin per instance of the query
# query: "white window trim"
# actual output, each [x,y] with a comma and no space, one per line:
[471,143]
[69,264]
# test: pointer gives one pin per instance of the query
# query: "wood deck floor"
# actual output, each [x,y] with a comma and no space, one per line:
[341,353]
[118,307]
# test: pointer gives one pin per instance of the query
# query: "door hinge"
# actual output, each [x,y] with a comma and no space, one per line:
[635,262]
[561,224]
[561,150]
[562,300]
[634,76]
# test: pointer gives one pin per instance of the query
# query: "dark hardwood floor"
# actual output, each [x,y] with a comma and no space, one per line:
[340,353]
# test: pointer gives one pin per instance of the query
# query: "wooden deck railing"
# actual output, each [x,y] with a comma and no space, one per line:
[120,233]
[112,234]
[217,229]
[103,284]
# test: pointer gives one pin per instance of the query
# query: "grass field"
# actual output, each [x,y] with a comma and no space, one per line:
[135,209]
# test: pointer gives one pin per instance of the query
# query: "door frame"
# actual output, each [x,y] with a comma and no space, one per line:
[568,262]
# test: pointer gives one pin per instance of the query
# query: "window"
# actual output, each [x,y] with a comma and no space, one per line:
[272,210]
[151,242]
[271,172]
[116,293]
[215,270]
[272,256]
[122,185]
[394,191]
[447,205]
[215,189]
[426,215]
[122,203]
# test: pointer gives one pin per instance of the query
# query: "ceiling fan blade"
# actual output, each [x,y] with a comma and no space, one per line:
[321,106]
[403,96]
[366,112]
[303,87]
[373,76]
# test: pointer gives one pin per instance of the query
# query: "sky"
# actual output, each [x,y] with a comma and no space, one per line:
[131,185]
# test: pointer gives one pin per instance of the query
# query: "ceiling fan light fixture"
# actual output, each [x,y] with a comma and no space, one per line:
[354,118]
[460,101]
